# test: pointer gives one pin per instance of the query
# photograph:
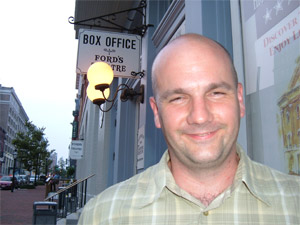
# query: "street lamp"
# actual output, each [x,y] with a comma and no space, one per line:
[100,76]
[14,170]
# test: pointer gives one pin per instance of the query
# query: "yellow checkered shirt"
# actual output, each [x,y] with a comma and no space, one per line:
[259,195]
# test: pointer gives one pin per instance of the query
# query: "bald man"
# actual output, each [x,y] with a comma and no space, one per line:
[204,177]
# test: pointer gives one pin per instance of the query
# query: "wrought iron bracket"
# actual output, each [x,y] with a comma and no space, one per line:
[110,18]
[141,74]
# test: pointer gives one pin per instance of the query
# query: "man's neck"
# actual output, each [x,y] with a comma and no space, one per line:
[205,185]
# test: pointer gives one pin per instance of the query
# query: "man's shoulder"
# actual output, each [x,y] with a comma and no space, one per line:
[134,187]
[119,198]
[274,179]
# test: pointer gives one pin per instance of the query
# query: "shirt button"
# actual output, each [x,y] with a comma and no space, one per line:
[206,213]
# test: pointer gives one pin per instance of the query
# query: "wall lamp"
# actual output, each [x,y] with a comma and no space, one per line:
[100,76]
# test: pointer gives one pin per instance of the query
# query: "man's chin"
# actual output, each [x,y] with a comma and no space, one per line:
[204,158]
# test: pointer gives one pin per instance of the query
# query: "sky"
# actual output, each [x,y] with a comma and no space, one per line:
[38,53]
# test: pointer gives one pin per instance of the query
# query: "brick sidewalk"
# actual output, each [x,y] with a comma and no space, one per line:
[16,208]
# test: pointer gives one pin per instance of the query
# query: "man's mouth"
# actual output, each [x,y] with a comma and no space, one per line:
[202,135]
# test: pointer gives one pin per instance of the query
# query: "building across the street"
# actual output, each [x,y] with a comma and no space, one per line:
[12,121]
[53,158]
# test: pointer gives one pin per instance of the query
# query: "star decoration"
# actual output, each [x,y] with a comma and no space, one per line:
[278,6]
[267,16]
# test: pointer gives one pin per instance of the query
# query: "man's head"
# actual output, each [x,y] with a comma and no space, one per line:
[189,37]
[198,103]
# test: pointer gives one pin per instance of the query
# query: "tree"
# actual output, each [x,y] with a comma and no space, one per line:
[32,146]
[61,169]
[47,163]
[70,171]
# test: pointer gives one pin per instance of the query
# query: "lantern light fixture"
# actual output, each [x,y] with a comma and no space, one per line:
[100,75]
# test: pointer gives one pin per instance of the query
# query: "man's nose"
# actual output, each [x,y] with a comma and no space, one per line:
[199,111]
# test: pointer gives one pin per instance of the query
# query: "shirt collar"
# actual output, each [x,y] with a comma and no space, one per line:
[246,173]
[162,179]
[157,180]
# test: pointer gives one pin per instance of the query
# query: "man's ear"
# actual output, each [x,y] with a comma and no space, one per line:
[241,100]
[153,105]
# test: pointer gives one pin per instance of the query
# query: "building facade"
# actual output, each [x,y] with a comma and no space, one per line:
[124,141]
[12,121]
[53,158]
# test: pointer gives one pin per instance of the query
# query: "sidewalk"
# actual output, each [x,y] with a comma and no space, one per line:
[16,208]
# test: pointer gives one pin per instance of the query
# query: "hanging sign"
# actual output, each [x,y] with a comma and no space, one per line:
[76,149]
[120,51]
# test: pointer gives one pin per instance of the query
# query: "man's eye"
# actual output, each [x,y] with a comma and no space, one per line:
[218,93]
[176,99]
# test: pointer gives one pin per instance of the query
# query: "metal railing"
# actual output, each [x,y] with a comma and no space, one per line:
[70,198]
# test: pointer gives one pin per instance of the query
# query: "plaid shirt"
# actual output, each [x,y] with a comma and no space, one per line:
[258,195]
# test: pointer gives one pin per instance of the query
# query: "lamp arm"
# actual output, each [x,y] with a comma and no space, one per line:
[119,88]
[111,105]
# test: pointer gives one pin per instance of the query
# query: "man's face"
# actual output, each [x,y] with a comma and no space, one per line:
[197,105]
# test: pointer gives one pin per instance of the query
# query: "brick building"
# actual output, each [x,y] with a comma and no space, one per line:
[12,121]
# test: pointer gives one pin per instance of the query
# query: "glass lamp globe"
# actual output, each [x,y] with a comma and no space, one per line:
[100,74]
[96,96]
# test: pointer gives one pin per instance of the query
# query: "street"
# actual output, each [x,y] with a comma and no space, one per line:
[16,207]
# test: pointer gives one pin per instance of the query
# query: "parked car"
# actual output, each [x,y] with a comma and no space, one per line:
[19,179]
[25,179]
[31,179]
[42,178]
[22,179]
[6,182]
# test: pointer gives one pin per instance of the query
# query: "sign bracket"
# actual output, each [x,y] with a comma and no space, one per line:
[111,17]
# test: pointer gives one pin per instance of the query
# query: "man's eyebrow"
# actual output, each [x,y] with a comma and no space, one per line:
[222,84]
[167,93]
[210,87]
